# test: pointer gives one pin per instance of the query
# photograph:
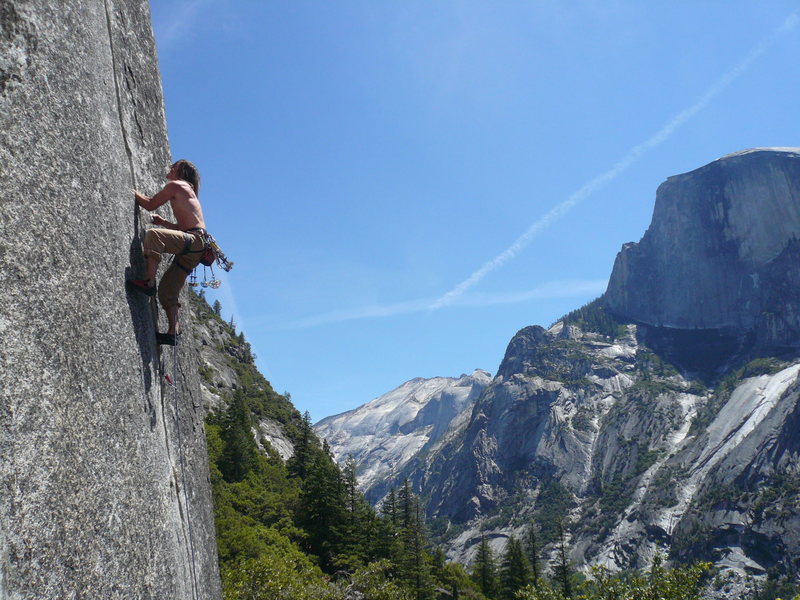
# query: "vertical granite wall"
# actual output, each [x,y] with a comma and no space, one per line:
[92,496]
[721,250]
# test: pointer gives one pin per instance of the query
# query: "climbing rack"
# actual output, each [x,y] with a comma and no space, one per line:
[213,283]
[216,256]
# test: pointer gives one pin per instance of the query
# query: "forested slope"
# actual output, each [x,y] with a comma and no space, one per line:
[298,527]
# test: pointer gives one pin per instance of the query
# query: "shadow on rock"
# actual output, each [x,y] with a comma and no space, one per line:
[141,310]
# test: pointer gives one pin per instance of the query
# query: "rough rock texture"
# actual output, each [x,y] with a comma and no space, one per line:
[92,496]
[387,432]
[721,251]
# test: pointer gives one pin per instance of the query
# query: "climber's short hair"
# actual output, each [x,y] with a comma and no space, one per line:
[189,173]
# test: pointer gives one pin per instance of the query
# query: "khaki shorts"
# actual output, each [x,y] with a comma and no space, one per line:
[158,241]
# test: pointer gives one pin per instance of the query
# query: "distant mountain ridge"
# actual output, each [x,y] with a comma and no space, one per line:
[387,432]
[664,416]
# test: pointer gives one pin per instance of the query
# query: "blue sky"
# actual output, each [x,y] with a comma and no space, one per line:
[404,185]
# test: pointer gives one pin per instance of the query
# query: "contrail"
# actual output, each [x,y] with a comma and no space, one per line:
[622,165]
[551,289]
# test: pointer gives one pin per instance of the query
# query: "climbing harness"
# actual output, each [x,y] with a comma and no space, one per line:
[211,253]
[172,381]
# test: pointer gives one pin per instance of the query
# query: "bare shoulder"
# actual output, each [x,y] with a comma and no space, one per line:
[181,188]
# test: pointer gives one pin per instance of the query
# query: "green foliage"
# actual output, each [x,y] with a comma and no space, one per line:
[649,388]
[552,506]
[514,570]
[413,561]
[777,496]
[304,447]
[256,500]
[453,578]
[775,587]
[682,583]
[645,458]
[280,571]
[239,454]
[615,496]
[772,498]
[375,582]
[278,533]
[321,510]
[582,421]
[532,548]
[484,570]
[651,364]
[282,527]
[662,492]
[594,317]
[563,569]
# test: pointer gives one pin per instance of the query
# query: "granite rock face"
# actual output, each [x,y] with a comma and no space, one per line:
[104,486]
[720,250]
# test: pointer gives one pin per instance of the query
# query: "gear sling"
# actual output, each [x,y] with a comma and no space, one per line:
[209,254]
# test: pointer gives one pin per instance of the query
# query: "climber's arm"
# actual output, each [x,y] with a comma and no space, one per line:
[161,222]
[162,197]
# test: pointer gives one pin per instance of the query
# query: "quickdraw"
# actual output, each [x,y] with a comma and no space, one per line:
[212,253]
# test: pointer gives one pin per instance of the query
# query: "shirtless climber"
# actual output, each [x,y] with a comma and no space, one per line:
[186,239]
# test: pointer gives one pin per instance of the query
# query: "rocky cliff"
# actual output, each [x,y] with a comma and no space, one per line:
[668,422]
[104,487]
[631,454]
[227,364]
[721,252]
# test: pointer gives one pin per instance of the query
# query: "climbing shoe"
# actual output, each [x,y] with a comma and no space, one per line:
[166,339]
[140,285]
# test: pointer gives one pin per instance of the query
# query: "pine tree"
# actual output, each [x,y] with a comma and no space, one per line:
[302,451]
[484,570]
[389,507]
[350,480]
[562,566]
[405,505]
[532,548]
[514,570]
[240,454]
[413,559]
[322,514]
[217,307]
[387,543]
[421,582]
[360,527]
